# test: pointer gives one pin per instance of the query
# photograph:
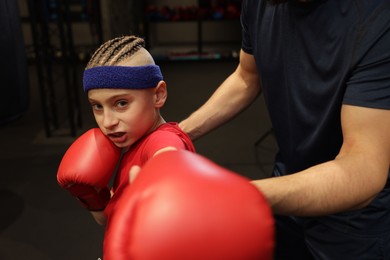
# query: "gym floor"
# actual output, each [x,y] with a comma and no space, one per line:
[39,220]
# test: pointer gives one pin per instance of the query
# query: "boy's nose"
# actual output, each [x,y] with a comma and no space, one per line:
[109,120]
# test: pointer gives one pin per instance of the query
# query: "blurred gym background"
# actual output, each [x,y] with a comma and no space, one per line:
[44,47]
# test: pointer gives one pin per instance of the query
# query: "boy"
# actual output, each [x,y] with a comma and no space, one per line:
[126,91]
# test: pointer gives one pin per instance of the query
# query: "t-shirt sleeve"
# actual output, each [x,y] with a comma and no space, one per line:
[160,140]
[369,84]
[246,45]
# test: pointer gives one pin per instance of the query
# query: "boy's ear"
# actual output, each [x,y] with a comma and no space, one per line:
[161,94]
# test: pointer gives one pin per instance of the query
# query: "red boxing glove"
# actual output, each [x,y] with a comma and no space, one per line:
[87,167]
[184,206]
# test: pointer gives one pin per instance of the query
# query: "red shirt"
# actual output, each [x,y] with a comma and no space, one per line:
[168,134]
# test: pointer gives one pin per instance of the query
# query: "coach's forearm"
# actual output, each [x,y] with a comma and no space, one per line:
[339,185]
[233,96]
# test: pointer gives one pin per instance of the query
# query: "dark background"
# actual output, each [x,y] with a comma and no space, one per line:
[43,109]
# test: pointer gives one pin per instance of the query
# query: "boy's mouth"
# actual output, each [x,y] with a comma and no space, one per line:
[116,135]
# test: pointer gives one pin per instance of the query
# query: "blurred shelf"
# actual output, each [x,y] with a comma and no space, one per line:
[190,30]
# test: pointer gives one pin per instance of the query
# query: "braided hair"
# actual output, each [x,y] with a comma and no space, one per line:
[115,50]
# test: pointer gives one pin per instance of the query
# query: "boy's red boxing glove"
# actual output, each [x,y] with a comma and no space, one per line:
[183,206]
[87,167]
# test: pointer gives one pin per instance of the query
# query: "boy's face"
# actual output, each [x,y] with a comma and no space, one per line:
[125,115]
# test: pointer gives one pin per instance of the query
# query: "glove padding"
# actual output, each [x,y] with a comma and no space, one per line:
[87,167]
[183,206]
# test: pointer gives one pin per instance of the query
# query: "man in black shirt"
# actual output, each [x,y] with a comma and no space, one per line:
[324,69]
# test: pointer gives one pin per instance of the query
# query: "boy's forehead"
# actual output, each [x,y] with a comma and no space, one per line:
[107,93]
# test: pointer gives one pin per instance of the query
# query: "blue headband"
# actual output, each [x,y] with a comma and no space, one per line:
[125,77]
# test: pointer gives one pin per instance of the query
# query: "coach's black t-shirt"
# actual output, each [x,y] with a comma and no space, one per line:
[313,57]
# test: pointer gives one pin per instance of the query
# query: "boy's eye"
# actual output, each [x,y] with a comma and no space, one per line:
[97,107]
[121,103]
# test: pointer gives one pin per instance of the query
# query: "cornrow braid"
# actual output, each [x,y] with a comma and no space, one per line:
[96,57]
[115,50]
[110,53]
